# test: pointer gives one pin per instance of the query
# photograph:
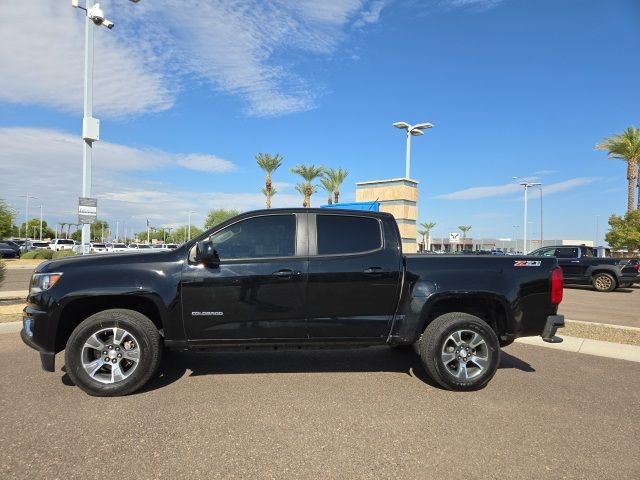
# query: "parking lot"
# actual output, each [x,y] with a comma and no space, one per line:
[368,413]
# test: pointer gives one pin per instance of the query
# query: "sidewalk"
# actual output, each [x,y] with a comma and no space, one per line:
[14,295]
[587,346]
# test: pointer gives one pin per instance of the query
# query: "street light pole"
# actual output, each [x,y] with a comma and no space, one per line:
[189,231]
[527,185]
[415,130]
[26,213]
[40,222]
[90,126]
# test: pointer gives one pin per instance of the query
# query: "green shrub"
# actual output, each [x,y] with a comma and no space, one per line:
[63,253]
[3,270]
[39,254]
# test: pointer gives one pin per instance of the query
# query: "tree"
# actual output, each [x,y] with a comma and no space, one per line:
[309,174]
[329,186]
[6,219]
[217,216]
[302,189]
[270,194]
[426,231]
[180,235]
[33,229]
[626,147]
[337,177]
[464,229]
[625,231]
[269,164]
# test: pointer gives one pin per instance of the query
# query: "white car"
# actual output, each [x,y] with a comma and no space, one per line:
[139,246]
[58,244]
[116,247]
[97,248]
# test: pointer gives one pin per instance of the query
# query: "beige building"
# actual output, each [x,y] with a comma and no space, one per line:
[399,197]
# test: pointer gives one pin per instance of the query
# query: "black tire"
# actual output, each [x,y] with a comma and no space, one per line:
[144,337]
[437,337]
[604,282]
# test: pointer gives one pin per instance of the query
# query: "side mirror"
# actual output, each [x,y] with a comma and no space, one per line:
[205,253]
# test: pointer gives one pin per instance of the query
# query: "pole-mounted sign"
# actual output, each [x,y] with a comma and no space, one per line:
[87,210]
[454,238]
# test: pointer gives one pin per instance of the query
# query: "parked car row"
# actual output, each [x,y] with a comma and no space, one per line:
[15,248]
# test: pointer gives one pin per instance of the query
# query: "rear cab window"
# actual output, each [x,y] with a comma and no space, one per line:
[346,234]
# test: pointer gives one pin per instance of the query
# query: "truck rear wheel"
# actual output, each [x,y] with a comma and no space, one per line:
[114,352]
[604,282]
[460,351]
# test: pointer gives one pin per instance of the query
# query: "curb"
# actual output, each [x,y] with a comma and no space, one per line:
[14,295]
[599,348]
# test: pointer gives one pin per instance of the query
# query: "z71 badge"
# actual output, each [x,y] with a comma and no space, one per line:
[527,263]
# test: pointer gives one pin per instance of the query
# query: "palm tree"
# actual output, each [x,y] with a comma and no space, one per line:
[464,229]
[426,231]
[309,174]
[302,189]
[626,146]
[269,194]
[337,176]
[62,224]
[269,164]
[329,186]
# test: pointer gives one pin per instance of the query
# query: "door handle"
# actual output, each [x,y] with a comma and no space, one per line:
[286,273]
[374,271]
[575,261]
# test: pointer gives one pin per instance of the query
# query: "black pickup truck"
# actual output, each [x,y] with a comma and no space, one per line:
[292,277]
[580,266]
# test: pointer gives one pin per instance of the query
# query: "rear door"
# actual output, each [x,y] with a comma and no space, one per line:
[568,258]
[258,292]
[353,279]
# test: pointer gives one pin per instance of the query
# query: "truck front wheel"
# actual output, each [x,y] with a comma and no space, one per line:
[114,352]
[460,351]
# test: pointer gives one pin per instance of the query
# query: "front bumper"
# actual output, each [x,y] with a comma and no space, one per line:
[551,327]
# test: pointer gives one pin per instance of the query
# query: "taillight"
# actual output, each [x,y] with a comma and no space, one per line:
[636,267]
[556,286]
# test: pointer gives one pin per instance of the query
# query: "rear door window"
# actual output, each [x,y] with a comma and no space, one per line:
[339,235]
[566,252]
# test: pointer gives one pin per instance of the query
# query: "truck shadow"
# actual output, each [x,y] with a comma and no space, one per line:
[374,359]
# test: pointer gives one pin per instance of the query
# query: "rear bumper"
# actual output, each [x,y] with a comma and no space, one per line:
[551,327]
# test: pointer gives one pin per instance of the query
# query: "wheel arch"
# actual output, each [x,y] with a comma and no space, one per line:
[78,310]
[490,308]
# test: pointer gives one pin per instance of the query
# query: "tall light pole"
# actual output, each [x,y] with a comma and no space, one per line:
[412,130]
[40,222]
[189,231]
[527,185]
[90,125]
[26,213]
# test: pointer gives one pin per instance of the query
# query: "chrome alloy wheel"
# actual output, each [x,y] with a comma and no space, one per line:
[465,354]
[110,355]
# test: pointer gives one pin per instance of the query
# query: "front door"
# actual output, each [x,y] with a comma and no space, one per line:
[258,290]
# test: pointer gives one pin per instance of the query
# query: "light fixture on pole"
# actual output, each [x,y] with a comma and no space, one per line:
[26,213]
[90,125]
[527,185]
[412,130]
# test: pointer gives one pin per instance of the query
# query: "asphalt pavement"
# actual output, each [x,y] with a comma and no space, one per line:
[368,413]
[16,279]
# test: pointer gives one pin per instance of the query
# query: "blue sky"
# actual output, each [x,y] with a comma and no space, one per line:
[189,91]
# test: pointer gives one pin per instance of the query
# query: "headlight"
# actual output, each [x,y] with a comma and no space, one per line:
[43,281]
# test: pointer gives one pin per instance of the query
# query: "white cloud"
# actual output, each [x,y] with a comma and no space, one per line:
[239,47]
[42,58]
[475,193]
[48,165]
